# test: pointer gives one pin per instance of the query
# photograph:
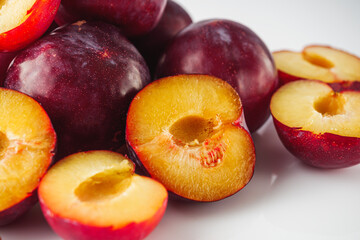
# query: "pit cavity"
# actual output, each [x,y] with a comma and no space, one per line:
[104,185]
[192,130]
[4,144]
[331,104]
[318,60]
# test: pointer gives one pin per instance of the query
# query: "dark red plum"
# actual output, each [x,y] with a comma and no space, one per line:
[232,52]
[152,44]
[5,60]
[85,76]
[134,17]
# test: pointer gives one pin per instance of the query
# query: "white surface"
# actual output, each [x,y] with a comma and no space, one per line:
[285,199]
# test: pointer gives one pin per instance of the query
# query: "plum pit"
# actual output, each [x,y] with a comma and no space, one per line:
[330,105]
[104,185]
[192,130]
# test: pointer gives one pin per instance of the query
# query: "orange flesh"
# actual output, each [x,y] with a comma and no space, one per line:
[13,13]
[313,106]
[99,188]
[27,140]
[320,63]
[182,130]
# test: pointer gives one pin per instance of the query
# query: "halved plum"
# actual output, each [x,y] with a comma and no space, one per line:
[97,195]
[189,133]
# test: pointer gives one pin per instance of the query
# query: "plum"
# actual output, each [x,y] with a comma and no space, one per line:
[85,76]
[134,17]
[153,44]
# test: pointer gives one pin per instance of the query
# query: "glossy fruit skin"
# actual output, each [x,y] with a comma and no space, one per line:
[232,52]
[41,16]
[320,150]
[70,229]
[5,60]
[85,76]
[152,45]
[134,17]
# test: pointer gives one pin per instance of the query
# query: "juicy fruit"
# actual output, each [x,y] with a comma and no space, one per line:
[24,21]
[317,62]
[229,51]
[85,76]
[189,133]
[27,142]
[134,17]
[105,199]
[152,45]
[318,125]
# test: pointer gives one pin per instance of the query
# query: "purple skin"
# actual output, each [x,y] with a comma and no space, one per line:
[134,17]
[85,76]
[325,150]
[153,44]
[5,60]
[232,52]
[9,215]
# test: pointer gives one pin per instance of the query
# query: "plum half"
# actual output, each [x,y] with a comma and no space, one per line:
[189,133]
[27,143]
[318,125]
[318,62]
[232,52]
[97,195]
[85,76]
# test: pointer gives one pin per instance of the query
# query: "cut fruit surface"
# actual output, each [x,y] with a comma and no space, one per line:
[24,21]
[318,62]
[13,13]
[27,142]
[315,107]
[318,125]
[188,132]
[100,189]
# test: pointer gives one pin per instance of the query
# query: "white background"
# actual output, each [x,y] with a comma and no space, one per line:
[285,199]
